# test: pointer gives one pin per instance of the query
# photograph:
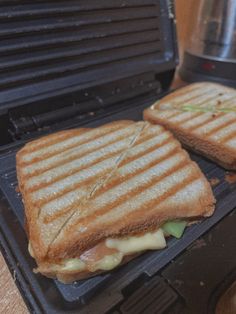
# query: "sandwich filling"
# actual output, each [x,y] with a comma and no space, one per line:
[193,108]
[110,253]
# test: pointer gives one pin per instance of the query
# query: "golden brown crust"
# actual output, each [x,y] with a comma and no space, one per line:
[224,157]
[216,150]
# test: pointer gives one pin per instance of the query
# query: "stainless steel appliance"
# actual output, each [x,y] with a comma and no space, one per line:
[210,53]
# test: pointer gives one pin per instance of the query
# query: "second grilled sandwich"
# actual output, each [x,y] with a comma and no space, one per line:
[203,117]
[94,198]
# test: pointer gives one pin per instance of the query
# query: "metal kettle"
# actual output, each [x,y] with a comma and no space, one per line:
[210,53]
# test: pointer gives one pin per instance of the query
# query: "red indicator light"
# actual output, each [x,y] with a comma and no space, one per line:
[208,66]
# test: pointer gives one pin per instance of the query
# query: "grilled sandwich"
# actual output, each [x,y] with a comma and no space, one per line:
[95,198]
[203,117]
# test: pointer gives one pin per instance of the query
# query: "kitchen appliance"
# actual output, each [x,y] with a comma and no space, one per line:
[78,63]
[210,53]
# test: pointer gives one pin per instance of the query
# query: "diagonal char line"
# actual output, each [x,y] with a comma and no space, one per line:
[119,160]
[103,181]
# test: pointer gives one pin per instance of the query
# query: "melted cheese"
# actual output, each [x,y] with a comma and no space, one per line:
[73,264]
[124,246]
[148,241]
[30,250]
[108,262]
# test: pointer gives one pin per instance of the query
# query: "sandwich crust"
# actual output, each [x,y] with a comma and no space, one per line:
[209,129]
[82,186]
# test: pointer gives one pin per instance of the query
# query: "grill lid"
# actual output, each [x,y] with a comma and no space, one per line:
[55,48]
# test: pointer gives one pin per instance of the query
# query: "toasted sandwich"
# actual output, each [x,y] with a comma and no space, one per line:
[95,198]
[203,117]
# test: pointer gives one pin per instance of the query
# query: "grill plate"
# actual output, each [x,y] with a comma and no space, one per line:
[101,292]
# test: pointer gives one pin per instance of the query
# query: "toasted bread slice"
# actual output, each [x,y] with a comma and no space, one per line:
[203,117]
[57,171]
[83,186]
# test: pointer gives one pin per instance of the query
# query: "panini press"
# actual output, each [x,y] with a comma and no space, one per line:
[74,63]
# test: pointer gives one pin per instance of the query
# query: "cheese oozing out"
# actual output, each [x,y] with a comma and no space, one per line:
[148,241]
[30,250]
[123,246]
[108,262]
[110,253]
[73,264]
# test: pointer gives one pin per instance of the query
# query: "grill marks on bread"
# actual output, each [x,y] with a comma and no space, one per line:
[30,153]
[80,150]
[130,179]
[209,128]
[200,94]
[61,196]
[86,192]
[150,145]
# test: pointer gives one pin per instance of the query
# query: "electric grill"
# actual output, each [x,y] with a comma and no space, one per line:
[74,63]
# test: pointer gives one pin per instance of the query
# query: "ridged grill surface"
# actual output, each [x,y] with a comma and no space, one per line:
[76,41]
[157,295]
[116,281]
